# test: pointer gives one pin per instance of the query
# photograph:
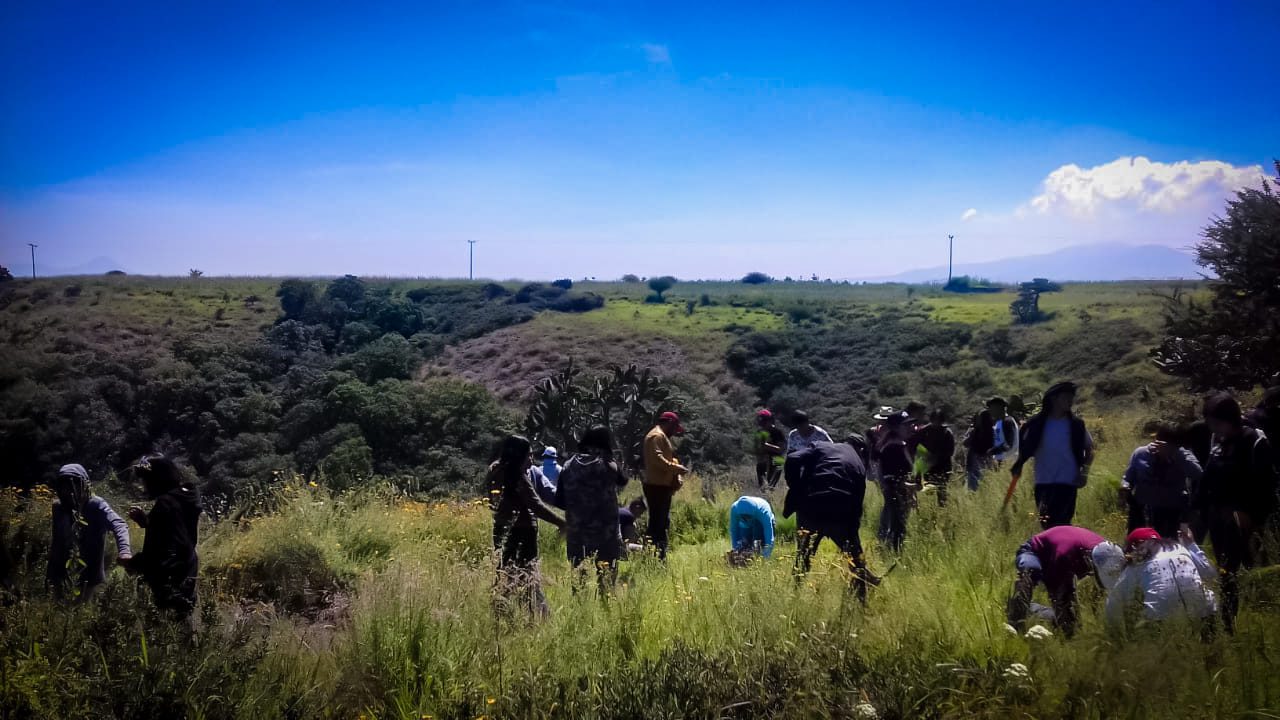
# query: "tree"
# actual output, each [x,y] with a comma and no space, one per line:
[660,285]
[194,273]
[756,278]
[295,297]
[5,275]
[564,283]
[629,278]
[1233,339]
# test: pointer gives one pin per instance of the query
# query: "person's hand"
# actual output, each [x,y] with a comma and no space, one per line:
[1185,535]
[682,470]
[1125,495]
[138,515]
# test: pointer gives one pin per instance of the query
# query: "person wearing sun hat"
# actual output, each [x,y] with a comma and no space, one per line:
[1162,579]
[663,476]
[1063,451]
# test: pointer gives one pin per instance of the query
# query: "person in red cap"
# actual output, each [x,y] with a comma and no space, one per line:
[663,476]
[1162,579]
[771,450]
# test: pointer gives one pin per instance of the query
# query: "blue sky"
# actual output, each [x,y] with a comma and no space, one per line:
[602,138]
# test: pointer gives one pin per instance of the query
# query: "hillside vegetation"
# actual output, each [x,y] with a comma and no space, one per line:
[344,425]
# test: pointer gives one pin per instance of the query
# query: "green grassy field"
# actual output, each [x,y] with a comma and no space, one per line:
[377,605]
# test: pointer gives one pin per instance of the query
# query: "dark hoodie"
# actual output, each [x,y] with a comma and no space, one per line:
[168,561]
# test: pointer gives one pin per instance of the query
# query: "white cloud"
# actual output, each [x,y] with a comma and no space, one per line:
[969,214]
[1129,184]
[656,54]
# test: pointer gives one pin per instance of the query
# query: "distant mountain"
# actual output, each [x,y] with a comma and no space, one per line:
[1079,263]
[96,266]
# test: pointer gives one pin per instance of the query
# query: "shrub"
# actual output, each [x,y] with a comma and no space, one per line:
[563,283]
[660,285]
[756,278]
[71,291]
[277,565]
[629,278]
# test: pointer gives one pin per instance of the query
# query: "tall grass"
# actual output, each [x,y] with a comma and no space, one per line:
[401,624]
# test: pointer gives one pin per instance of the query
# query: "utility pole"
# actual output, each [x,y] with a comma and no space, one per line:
[471,268]
[33,259]
[951,254]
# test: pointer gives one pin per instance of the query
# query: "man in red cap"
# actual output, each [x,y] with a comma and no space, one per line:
[771,450]
[662,477]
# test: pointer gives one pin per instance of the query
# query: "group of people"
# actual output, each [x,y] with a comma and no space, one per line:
[1217,477]
[168,562]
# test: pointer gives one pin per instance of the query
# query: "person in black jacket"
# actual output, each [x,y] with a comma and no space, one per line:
[168,562]
[1237,494]
[826,484]
[1063,451]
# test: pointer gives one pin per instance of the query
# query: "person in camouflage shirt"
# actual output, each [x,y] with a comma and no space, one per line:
[588,492]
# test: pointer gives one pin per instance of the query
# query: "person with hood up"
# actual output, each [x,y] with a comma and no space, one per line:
[588,492]
[80,523]
[751,527]
[1057,558]
[1237,494]
[1162,579]
[1063,451]
[168,562]
[826,485]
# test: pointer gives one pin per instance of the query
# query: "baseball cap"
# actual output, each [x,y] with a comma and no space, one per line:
[1140,535]
[764,414]
[672,417]
[550,452]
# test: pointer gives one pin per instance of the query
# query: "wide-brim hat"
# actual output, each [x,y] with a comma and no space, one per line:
[1058,389]
[884,413]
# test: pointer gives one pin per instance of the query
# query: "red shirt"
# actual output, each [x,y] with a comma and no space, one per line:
[1064,554]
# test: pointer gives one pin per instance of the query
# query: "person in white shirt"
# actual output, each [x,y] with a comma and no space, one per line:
[1163,579]
[1006,431]
[805,433]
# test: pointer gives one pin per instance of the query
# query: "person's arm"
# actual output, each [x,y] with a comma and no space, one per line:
[119,528]
[735,533]
[529,496]
[661,450]
[822,435]
[1207,571]
[766,522]
[619,477]
[1129,478]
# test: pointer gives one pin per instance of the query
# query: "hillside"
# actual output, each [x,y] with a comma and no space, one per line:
[1083,263]
[344,576]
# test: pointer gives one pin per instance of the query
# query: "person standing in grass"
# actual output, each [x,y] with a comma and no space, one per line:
[979,443]
[550,464]
[1063,451]
[1057,558]
[168,562]
[588,492]
[663,476]
[80,522]
[937,447]
[516,510]
[1157,485]
[770,450]
[1163,579]
[804,433]
[1237,495]
[751,526]
[826,486]
[896,482]
[1006,435]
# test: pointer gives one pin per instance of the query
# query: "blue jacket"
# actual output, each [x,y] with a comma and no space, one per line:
[751,520]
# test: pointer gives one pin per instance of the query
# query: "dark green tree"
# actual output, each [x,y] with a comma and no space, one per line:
[660,285]
[1232,338]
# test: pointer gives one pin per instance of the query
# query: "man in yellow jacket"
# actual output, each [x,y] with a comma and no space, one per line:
[662,477]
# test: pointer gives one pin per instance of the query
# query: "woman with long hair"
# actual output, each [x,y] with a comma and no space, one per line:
[168,562]
[516,510]
[588,492]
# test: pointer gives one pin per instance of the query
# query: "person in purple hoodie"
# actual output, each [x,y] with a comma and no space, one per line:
[1057,558]
[80,523]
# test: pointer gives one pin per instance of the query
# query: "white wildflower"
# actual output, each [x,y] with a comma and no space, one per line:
[704,578]
[1039,632]
[865,711]
[1017,671]
[1011,629]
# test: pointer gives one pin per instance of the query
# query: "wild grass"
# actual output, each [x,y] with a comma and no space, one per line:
[406,626]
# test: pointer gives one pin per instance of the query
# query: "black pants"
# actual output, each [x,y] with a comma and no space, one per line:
[1164,520]
[898,498]
[810,532]
[940,481]
[658,497]
[767,474]
[602,554]
[1063,600]
[1056,504]
[1232,533]
[518,545]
